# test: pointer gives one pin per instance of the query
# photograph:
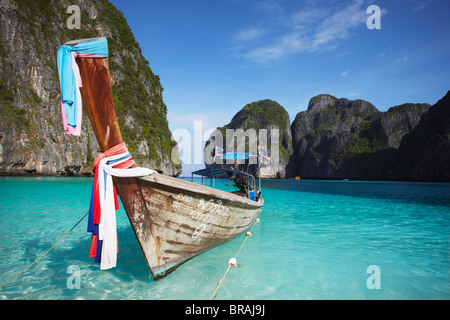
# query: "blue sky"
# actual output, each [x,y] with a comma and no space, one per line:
[214,57]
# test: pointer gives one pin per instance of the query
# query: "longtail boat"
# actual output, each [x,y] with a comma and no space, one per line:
[174,220]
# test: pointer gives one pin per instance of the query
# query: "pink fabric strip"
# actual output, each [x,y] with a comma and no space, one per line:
[76,71]
[76,131]
[89,55]
[64,117]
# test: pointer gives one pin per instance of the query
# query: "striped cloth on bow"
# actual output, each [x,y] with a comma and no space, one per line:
[104,202]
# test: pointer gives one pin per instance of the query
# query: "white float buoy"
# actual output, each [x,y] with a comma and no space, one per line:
[232,262]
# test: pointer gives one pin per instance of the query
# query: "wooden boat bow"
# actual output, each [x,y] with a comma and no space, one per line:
[174,220]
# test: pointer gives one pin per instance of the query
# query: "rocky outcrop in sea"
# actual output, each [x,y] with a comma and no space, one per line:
[271,129]
[351,139]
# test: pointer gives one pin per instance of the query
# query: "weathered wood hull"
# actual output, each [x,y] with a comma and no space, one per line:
[174,220]
[188,219]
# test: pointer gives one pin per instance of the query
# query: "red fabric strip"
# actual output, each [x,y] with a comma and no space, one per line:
[93,248]
[116,200]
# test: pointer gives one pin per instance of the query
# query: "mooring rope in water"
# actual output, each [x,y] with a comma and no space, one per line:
[233,262]
[44,252]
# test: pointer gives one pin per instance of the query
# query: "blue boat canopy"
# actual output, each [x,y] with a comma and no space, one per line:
[234,155]
[219,173]
[211,173]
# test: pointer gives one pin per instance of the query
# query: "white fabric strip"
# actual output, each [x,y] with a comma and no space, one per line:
[107,226]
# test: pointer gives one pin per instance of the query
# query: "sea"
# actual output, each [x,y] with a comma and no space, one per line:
[315,240]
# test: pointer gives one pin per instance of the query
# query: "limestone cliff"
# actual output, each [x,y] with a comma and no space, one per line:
[272,129]
[424,153]
[339,138]
[350,139]
[31,133]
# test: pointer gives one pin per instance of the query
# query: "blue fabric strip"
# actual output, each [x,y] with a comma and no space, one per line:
[67,76]
[98,256]
[105,177]
[118,160]
[91,226]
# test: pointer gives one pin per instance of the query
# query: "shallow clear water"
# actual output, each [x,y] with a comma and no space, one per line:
[315,240]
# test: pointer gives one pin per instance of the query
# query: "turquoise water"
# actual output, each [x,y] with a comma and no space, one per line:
[315,240]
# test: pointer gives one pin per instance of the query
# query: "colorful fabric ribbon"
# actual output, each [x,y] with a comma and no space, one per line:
[70,80]
[104,202]
[113,162]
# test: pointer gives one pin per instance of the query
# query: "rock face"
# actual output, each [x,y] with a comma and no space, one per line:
[31,133]
[350,139]
[340,138]
[271,125]
[326,134]
[424,153]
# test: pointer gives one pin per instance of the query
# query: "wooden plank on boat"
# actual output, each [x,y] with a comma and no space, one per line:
[188,219]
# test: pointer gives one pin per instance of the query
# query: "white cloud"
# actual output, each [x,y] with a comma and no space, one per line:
[345,73]
[419,4]
[308,16]
[286,44]
[338,25]
[353,94]
[310,29]
[249,34]
[403,59]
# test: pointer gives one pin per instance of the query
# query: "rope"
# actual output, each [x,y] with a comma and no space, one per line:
[247,235]
[44,252]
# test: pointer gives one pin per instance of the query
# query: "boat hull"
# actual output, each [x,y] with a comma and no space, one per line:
[186,219]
